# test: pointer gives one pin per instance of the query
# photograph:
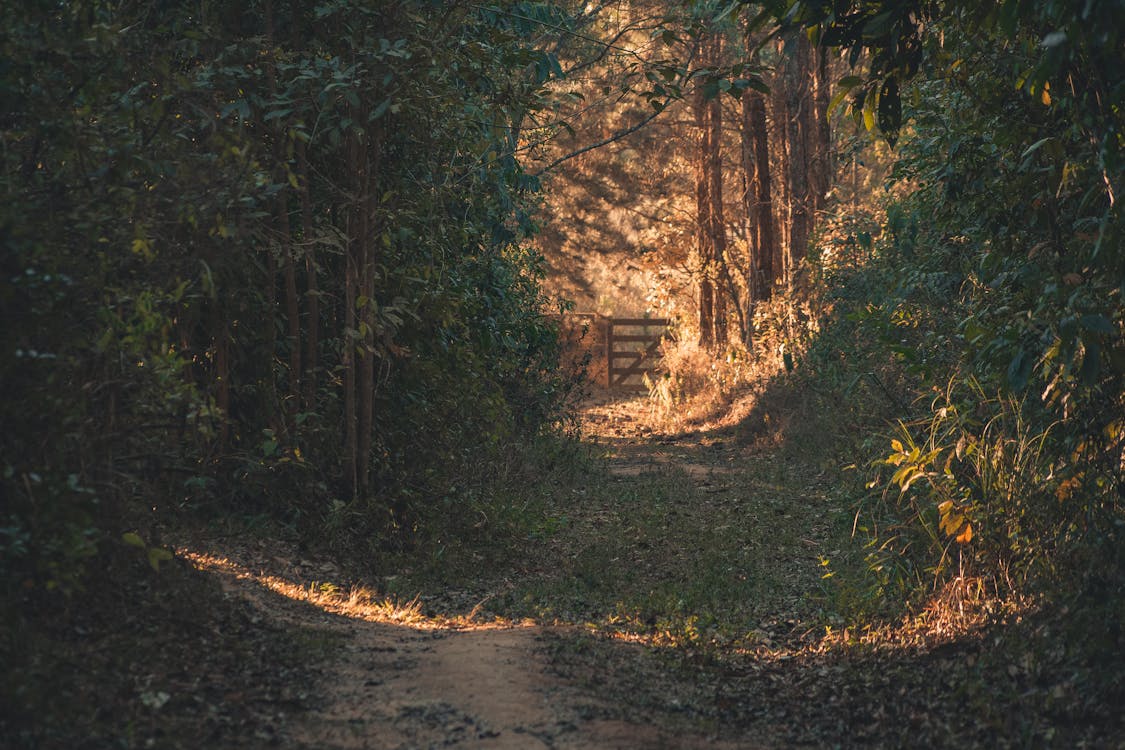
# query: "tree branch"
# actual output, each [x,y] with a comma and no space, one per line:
[605,141]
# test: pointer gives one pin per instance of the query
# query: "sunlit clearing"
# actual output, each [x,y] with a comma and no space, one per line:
[357,602]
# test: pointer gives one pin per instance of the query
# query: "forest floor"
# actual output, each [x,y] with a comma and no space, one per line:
[675,595]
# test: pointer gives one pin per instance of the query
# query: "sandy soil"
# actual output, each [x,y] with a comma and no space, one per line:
[424,685]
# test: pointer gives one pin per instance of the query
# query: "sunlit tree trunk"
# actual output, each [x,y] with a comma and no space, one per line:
[800,118]
[717,227]
[759,201]
[715,284]
[820,132]
[779,118]
[703,221]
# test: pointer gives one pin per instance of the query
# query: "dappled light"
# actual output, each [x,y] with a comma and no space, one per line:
[356,602]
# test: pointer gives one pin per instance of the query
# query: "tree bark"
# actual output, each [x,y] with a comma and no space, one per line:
[703,220]
[820,131]
[292,310]
[715,284]
[717,222]
[759,201]
[779,116]
[312,294]
[369,159]
[221,334]
[350,333]
[800,119]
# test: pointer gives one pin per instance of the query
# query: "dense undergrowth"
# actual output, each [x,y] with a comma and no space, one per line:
[249,268]
[259,260]
[976,316]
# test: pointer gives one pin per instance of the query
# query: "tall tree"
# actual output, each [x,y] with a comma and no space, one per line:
[703,206]
[822,164]
[759,207]
[715,286]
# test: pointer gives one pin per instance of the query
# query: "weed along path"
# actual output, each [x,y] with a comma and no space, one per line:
[673,595]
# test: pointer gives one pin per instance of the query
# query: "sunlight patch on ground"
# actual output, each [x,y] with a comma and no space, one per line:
[355,602]
[958,613]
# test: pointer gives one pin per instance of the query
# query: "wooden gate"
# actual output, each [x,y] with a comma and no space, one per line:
[641,339]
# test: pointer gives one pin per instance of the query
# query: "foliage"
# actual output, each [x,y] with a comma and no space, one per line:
[215,217]
[995,291]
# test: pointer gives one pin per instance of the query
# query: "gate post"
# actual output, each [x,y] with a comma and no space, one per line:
[608,353]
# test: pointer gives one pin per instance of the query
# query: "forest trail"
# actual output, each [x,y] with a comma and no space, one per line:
[397,677]
[675,598]
[434,685]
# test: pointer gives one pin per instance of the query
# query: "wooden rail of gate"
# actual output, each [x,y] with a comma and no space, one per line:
[638,360]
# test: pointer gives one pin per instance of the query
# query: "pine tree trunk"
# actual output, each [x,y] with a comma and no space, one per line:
[278,422]
[366,375]
[221,334]
[800,119]
[350,336]
[820,141]
[312,333]
[779,112]
[717,227]
[703,221]
[292,311]
[759,202]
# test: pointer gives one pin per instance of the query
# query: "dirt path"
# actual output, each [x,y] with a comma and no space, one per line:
[675,599]
[398,679]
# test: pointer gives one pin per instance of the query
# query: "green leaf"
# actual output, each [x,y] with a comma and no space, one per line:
[157,555]
[1097,324]
[838,97]
[133,539]
[1035,147]
[1091,363]
[890,111]
[1019,370]
[757,84]
[1054,39]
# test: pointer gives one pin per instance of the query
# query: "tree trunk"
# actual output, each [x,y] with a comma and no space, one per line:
[800,119]
[369,159]
[703,221]
[759,202]
[350,333]
[292,311]
[820,142]
[312,334]
[221,334]
[779,111]
[717,223]
[278,421]
[715,285]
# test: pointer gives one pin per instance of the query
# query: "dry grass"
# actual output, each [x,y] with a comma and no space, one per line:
[358,602]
